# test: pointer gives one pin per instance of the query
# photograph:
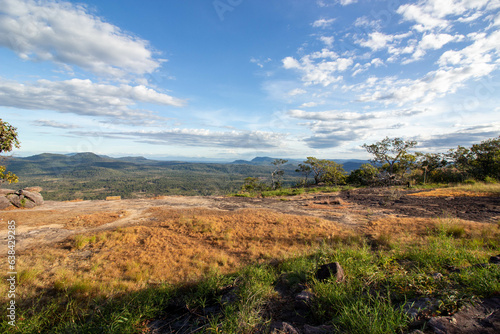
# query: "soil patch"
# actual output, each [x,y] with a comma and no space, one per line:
[398,201]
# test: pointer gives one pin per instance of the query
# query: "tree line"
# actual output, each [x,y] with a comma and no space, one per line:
[393,162]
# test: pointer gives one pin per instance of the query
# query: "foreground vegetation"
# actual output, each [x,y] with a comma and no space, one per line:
[389,264]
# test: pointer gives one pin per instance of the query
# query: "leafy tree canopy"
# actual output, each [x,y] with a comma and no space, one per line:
[8,141]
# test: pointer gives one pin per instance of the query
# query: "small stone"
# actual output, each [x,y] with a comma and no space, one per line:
[305,296]
[495,259]
[331,269]
[283,328]
[437,276]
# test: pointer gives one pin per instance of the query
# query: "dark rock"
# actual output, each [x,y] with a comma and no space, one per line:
[495,259]
[482,318]
[422,307]
[282,328]
[303,301]
[4,203]
[331,269]
[305,296]
[324,329]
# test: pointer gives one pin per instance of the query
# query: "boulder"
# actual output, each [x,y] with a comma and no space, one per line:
[331,269]
[21,198]
[5,192]
[35,197]
[4,203]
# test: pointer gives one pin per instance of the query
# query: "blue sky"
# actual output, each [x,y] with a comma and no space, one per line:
[233,79]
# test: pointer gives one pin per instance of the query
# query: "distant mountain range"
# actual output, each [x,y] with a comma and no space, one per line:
[92,159]
[92,176]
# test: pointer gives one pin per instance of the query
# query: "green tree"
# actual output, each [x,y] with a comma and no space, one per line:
[333,173]
[324,170]
[429,163]
[315,167]
[277,173]
[253,184]
[8,141]
[485,159]
[304,170]
[393,152]
[366,175]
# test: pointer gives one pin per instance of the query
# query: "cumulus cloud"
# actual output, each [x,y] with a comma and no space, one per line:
[319,67]
[202,138]
[435,14]
[456,68]
[68,34]
[83,97]
[378,41]
[323,23]
[297,91]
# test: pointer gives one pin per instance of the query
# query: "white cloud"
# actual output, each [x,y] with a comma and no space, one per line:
[309,105]
[432,41]
[338,115]
[54,124]
[68,34]
[204,138]
[83,97]
[296,91]
[347,2]
[434,14]
[323,23]
[456,68]
[319,72]
[327,40]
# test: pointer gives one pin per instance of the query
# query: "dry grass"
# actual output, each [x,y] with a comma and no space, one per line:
[465,190]
[181,245]
[408,230]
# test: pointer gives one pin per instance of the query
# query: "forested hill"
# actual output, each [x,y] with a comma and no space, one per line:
[91,176]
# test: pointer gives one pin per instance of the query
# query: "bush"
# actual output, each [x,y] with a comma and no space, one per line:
[489,179]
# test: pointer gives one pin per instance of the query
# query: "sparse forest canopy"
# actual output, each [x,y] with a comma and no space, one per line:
[393,152]
[479,162]
[8,141]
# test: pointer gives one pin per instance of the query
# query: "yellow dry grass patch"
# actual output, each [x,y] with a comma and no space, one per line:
[451,192]
[406,230]
[478,189]
[180,245]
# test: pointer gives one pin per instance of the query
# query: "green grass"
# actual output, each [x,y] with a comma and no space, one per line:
[371,300]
